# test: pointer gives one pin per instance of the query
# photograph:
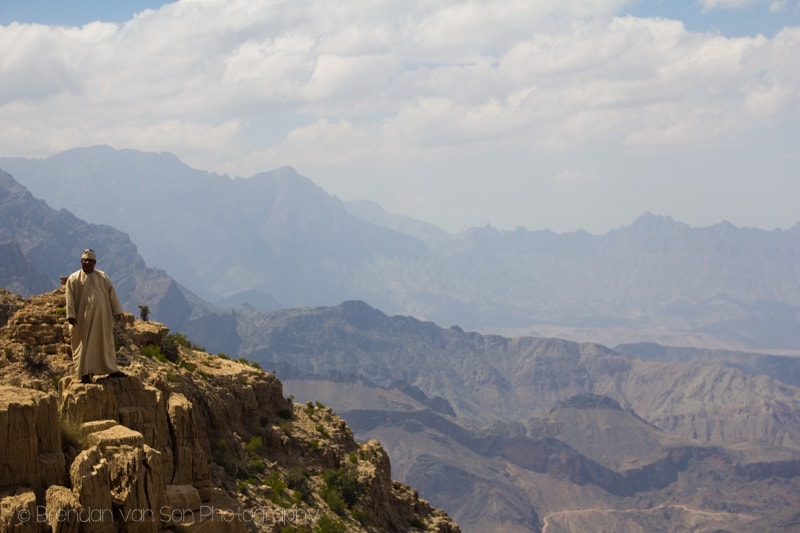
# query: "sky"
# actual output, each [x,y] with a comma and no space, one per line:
[544,114]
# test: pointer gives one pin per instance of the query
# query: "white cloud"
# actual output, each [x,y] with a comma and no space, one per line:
[239,86]
[708,5]
[778,5]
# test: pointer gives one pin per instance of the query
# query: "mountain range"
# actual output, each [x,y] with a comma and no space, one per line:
[523,433]
[277,240]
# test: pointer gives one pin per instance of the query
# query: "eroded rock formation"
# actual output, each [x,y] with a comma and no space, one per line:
[188,441]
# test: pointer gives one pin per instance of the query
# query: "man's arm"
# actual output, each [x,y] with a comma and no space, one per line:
[72,314]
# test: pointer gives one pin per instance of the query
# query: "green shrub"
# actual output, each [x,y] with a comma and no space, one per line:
[326,524]
[417,523]
[170,346]
[33,359]
[297,497]
[255,465]
[333,499]
[153,351]
[297,479]
[285,426]
[276,483]
[365,517]
[179,339]
[341,483]
[243,484]
[255,446]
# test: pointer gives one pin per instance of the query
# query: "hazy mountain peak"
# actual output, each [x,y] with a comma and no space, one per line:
[103,154]
[653,222]
[373,213]
[8,185]
[284,172]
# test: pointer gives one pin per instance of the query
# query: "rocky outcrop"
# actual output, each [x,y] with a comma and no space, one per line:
[193,442]
[30,449]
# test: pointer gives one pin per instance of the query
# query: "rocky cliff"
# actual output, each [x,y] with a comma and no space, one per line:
[188,441]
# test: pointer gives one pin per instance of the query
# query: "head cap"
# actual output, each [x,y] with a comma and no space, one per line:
[88,254]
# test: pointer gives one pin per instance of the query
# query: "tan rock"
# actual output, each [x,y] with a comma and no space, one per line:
[190,461]
[92,483]
[184,497]
[98,425]
[18,512]
[126,400]
[127,474]
[119,484]
[30,440]
[63,510]
[116,436]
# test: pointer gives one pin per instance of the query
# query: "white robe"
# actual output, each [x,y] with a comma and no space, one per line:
[93,303]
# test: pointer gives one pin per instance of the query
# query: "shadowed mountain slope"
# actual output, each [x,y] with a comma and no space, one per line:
[46,245]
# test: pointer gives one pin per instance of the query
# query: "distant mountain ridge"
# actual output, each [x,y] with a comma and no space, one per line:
[276,232]
[523,433]
[285,241]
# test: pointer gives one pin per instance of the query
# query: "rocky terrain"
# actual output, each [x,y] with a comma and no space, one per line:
[540,434]
[188,441]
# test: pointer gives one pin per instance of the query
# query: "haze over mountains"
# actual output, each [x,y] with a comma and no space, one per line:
[277,240]
[505,433]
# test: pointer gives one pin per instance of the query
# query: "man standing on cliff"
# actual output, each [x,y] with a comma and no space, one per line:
[92,307]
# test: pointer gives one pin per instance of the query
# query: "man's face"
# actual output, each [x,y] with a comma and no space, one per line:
[88,265]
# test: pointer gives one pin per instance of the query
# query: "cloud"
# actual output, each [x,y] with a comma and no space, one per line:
[240,87]
[709,5]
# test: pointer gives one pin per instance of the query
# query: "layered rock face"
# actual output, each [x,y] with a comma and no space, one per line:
[188,441]
[31,442]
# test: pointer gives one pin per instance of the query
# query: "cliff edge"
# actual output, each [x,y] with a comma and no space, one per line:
[188,441]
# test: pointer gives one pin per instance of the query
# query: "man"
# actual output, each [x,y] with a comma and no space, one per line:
[92,307]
